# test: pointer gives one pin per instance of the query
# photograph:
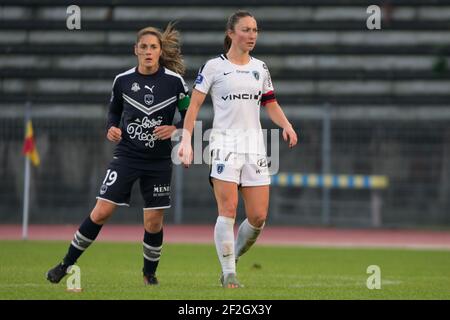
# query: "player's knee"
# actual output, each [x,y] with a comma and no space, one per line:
[100,214]
[228,208]
[153,225]
[153,222]
[257,220]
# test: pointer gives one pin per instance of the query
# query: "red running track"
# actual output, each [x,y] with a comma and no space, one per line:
[271,235]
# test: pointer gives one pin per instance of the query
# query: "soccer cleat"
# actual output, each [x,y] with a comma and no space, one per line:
[230,281]
[55,274]
[150,280]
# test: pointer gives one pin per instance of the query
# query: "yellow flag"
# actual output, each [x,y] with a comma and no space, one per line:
[29,147]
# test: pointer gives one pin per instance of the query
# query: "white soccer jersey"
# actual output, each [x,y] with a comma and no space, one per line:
[237,92]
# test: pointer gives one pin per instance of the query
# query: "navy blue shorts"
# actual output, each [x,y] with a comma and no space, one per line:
[120,178]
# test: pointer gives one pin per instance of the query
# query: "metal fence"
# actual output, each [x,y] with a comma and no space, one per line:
[412,151]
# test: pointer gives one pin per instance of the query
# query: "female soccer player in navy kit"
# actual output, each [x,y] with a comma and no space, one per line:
[239,84]
[143,103]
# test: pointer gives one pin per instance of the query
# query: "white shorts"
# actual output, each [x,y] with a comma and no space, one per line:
[247,170]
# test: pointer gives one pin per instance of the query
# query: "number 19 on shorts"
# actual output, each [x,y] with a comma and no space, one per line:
[111,177]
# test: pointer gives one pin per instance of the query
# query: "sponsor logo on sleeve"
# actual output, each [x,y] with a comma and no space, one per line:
[199,79]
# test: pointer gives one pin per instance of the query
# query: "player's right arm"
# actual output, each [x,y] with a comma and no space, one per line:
[114,133]
[185,150]
[195,104]
[203,83]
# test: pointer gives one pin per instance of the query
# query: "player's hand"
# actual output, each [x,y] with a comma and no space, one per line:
[164,132]
[185,153]
[114,134]
[289,133]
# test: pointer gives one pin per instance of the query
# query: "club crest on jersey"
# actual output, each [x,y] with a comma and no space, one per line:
[220,168]
[256,74]
[148,99]
[135,87]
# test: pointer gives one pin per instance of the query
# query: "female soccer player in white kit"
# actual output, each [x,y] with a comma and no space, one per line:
[239,85]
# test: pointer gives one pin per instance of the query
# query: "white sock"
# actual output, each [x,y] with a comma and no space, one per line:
[224,239]
[247,235]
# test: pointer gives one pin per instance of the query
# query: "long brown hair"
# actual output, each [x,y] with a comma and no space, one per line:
[231,23]
[170,43]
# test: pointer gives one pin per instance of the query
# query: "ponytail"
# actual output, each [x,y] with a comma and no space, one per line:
[171,57]
[227,42]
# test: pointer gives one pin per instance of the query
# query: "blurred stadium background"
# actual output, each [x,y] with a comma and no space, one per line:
[365,103]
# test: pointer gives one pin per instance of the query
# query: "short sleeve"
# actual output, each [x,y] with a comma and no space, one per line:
[205,78]
[268,91]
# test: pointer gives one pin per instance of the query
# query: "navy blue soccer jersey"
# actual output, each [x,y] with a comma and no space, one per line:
[140,103]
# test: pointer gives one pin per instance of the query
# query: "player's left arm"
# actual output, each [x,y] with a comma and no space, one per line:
[165,132]
[183,104]
[278,117]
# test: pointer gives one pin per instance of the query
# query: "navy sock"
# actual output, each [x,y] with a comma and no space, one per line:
[152,246]
[82,239]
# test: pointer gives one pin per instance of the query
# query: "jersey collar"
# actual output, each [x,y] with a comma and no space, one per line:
[156,74]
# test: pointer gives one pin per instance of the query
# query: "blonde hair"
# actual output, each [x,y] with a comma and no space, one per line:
[169,41]
[233,20]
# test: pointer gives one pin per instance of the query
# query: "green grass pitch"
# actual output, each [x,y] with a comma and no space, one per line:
[113,271]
